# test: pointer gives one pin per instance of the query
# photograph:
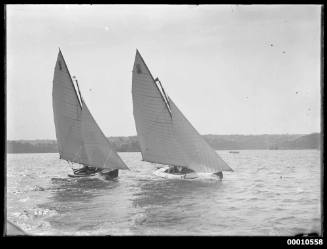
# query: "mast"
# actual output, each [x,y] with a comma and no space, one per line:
[67,113]
[79,137]
[165,97]
[79,91]
[154,82]
[71,80]
[164,133]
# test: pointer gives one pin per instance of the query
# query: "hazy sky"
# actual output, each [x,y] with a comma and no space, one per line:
[230,69]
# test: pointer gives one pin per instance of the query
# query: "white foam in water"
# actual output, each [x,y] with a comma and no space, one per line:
[246,202]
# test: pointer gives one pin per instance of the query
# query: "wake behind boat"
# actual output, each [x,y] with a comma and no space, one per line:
[165,135]
[79,138]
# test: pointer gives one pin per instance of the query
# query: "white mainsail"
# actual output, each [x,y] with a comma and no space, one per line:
[67,114]
[79,138]
[164,134]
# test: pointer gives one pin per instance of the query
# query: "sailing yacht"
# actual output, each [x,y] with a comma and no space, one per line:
[165,135]
[80,139]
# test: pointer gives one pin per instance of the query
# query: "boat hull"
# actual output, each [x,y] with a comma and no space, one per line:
[190,176]
[107,175]
[79,176]
[110,175]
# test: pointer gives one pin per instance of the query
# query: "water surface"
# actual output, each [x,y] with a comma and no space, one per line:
[270,192]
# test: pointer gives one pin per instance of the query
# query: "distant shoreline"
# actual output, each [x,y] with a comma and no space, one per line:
[217,142]
[140,151]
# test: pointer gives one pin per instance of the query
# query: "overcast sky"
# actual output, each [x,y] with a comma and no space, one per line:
[230,69]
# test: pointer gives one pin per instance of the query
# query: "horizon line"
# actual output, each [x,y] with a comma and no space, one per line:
[261,134]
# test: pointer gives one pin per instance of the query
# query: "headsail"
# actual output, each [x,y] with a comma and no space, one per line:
[79,137]
[98,149]
[165,135]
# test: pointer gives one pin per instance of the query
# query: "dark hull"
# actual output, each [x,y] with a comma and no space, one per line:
[80,175]
[110,175]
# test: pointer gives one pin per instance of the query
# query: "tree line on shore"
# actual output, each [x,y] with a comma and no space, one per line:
[218,142]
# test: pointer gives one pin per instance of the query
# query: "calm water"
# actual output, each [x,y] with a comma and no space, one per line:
[270,192]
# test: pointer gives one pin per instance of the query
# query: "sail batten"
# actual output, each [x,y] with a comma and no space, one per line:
[80,140]
[164,134]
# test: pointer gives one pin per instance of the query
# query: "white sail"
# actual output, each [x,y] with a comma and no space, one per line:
[67,114]
[79,137]
[98,149]
[164,134]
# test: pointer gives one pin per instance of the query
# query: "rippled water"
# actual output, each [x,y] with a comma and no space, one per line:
[270,192]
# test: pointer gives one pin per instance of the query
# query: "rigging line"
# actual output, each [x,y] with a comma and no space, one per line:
[163,94]
[70,77]
[62,100]
[79,91]
[147,102]
[163,90]
[153,80]
[63,85]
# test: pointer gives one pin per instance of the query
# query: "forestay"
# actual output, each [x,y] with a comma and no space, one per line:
[79,138]
[164,134]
